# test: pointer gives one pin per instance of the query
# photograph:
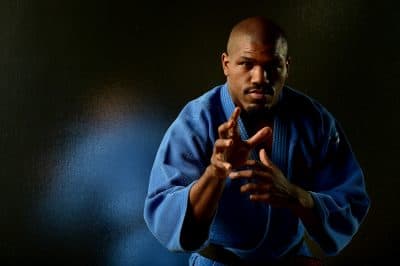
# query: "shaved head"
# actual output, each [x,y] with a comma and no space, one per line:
[258,30]
[256,64]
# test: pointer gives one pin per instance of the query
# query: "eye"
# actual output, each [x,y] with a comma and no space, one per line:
[274,68]
[247,64]
[278,68]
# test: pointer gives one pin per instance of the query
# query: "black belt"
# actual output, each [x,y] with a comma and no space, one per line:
[222,255]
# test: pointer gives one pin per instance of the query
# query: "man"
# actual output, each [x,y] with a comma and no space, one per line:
[251,165]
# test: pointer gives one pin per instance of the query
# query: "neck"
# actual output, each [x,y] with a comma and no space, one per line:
[258,116]
[254,121]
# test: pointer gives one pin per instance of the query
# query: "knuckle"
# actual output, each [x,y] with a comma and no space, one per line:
[212,161]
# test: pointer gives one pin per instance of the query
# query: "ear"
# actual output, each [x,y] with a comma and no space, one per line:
[225,63]
[288,61]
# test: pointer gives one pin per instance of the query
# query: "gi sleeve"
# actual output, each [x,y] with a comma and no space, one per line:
[180,161]
[340,194]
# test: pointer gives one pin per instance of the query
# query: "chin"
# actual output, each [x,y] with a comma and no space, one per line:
[256,109]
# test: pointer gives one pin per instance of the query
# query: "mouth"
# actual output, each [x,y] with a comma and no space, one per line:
[263,93]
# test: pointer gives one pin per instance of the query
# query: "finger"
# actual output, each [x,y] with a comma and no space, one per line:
[242,174]
[233,131]
[228,129]
[223,129]
[255,188]
[261,136]
[265,159]
[251,173]
[220,164]
[221,145]
[235,115]
[260,197]
[256,165]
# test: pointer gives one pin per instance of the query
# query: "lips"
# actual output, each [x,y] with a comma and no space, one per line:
[256,91]
[257,94]
[265,90]
[264,93]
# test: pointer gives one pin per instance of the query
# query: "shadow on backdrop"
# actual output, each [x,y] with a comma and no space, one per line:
[92,211]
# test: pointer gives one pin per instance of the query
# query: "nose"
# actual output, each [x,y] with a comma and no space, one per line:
[259,76]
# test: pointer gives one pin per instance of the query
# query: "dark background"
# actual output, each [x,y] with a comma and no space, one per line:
[68,68]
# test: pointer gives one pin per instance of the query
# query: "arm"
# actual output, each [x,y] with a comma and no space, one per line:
[179,212]
[337,201]
[230,151]
[339,193]
[268,184]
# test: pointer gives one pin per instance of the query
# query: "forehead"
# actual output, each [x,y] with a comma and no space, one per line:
[249,46]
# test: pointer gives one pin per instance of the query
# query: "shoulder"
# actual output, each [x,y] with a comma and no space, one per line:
[200,116]
[203,109]
[309,118]
[303,103]
[306,109]
[205,102]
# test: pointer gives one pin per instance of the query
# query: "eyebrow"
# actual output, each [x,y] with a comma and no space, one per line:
[246,58]
[274,59]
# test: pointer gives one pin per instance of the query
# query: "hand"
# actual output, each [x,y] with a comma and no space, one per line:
[267,183]
[230,148]
[229,152]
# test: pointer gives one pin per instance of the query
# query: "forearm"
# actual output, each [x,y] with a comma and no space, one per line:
[204,196]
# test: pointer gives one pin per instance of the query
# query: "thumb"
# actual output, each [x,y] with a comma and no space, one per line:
[261,136]
[264,158]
